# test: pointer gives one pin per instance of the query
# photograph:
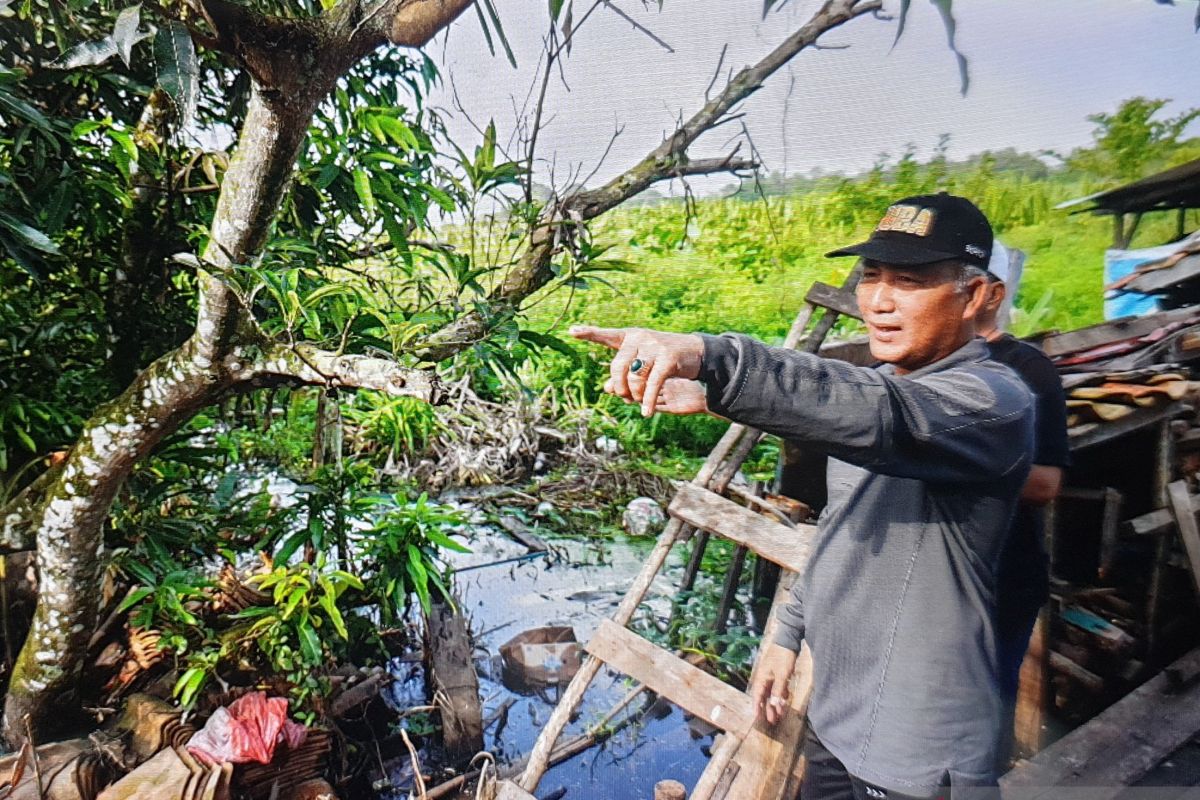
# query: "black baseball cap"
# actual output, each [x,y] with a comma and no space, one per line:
[925,229]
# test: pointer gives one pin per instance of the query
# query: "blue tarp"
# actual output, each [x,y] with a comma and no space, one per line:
[1118,264]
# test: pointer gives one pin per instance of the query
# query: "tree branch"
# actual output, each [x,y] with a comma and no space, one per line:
[305,363]
[667,160]
[404,23]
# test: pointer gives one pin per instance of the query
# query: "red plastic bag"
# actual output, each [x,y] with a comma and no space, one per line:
[248,730]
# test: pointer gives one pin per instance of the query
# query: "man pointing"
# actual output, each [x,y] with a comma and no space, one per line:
[928,455]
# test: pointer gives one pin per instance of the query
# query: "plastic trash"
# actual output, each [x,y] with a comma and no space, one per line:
[249,729]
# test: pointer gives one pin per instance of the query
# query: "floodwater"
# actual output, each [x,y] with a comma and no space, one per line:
[578,586]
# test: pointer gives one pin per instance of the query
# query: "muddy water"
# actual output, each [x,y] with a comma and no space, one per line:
[579,588]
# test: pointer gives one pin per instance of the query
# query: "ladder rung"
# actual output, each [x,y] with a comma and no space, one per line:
[833,298]
[690,688]
[700,508]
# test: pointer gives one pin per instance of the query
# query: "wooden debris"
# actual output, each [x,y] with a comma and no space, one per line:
[453,682]
[1102,755]
[1065,666]
[523,534]
[234,595]
[358,694]
[1189,531]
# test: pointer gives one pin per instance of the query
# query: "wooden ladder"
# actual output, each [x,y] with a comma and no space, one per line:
[751,761]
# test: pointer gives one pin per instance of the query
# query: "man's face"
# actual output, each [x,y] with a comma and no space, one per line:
[917,315]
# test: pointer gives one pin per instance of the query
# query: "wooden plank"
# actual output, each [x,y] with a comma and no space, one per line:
[1157,280]
[1189,531]
[1034,688]
[1154,523]
[761,766]
[833,298]
[1120,745]
[539,757]
[1065,666]
[690,688]
[700,508]
[1113,501]
[1091,435]
[1057,344]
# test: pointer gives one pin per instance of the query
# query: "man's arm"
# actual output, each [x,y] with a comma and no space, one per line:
[1052,450]
[951,426]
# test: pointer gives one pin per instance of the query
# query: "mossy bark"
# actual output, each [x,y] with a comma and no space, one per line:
[67,517]
[69,525]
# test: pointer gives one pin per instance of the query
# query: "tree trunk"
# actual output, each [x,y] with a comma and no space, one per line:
[68,519]
[69,525]
[147,240]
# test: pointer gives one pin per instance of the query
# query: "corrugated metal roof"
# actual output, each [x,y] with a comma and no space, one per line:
[1178,187]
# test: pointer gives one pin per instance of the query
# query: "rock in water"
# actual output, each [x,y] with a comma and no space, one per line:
[643,517]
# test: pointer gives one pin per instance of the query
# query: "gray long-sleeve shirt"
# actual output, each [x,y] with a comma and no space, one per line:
[897,603]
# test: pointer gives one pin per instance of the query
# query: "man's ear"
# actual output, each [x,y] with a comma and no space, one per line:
[996,292]
[978,291]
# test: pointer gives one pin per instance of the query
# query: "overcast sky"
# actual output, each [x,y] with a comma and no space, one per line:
[1038,68]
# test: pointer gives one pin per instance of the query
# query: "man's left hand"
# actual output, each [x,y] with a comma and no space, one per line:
[662,356]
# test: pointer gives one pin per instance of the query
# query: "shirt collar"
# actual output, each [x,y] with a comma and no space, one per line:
[974,350]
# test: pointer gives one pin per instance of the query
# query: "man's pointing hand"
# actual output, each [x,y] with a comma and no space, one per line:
[658,356]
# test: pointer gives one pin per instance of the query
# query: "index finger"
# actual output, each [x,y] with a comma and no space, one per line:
[609,337]
[762,690]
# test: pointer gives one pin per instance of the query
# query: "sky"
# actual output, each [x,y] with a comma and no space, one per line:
[1038,68]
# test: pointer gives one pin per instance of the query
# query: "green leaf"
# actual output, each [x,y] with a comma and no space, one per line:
[25,439]
[135,597]
[418,573]
[125,32]
[142,572]
[310,644]
[440,197]
[178,69]
[328,601]
[362,186]
[189,683]
[487,153]
[18,108]
[28,235]
[290,545]
[298,594]
[495,17]
[444,541]
[555,9]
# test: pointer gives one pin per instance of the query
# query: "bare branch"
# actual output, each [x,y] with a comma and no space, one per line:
[666,161]
[307,364]
[638,26]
